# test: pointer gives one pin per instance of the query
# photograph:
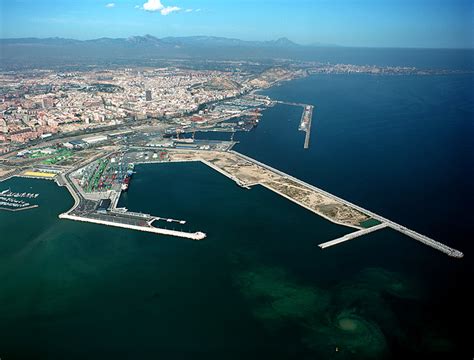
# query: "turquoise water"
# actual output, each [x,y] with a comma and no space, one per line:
[258,286]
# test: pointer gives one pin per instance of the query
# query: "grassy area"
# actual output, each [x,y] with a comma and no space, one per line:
[55,156]
[369,223]
[60,155]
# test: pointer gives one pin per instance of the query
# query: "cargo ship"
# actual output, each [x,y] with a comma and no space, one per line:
[125,182]
[127,178]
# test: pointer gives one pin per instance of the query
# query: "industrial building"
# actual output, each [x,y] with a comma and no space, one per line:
[75,144]
[91,140]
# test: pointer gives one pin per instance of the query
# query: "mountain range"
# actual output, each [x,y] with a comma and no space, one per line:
[60,50]
[151,41]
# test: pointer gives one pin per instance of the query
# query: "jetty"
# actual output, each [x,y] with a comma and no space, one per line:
[384,221]
[305,123]
[145,227]
[306,119]
[352,235]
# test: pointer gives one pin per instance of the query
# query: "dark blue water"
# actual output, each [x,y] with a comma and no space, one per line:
[401,146]
[258,287]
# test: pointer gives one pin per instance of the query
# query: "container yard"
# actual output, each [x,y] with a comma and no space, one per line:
[97,186]
[109,173]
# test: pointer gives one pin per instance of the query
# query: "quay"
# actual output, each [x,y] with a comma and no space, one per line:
[352,235]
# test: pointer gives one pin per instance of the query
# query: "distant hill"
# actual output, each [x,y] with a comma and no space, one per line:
[60,50]
[211,41]
[149,41]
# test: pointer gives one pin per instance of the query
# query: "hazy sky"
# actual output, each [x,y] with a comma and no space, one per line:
[388,23]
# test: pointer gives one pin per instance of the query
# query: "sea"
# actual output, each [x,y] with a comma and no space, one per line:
[259,286]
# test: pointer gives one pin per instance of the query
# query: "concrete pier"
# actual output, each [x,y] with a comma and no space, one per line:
[305,123]
[193,236]
[352,235]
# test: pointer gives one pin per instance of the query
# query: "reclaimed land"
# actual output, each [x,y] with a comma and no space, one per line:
[247,173]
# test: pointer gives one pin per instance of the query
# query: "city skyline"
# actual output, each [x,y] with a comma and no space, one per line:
[367,23]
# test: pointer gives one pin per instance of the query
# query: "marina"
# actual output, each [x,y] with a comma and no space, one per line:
[12,201]
[10,194]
